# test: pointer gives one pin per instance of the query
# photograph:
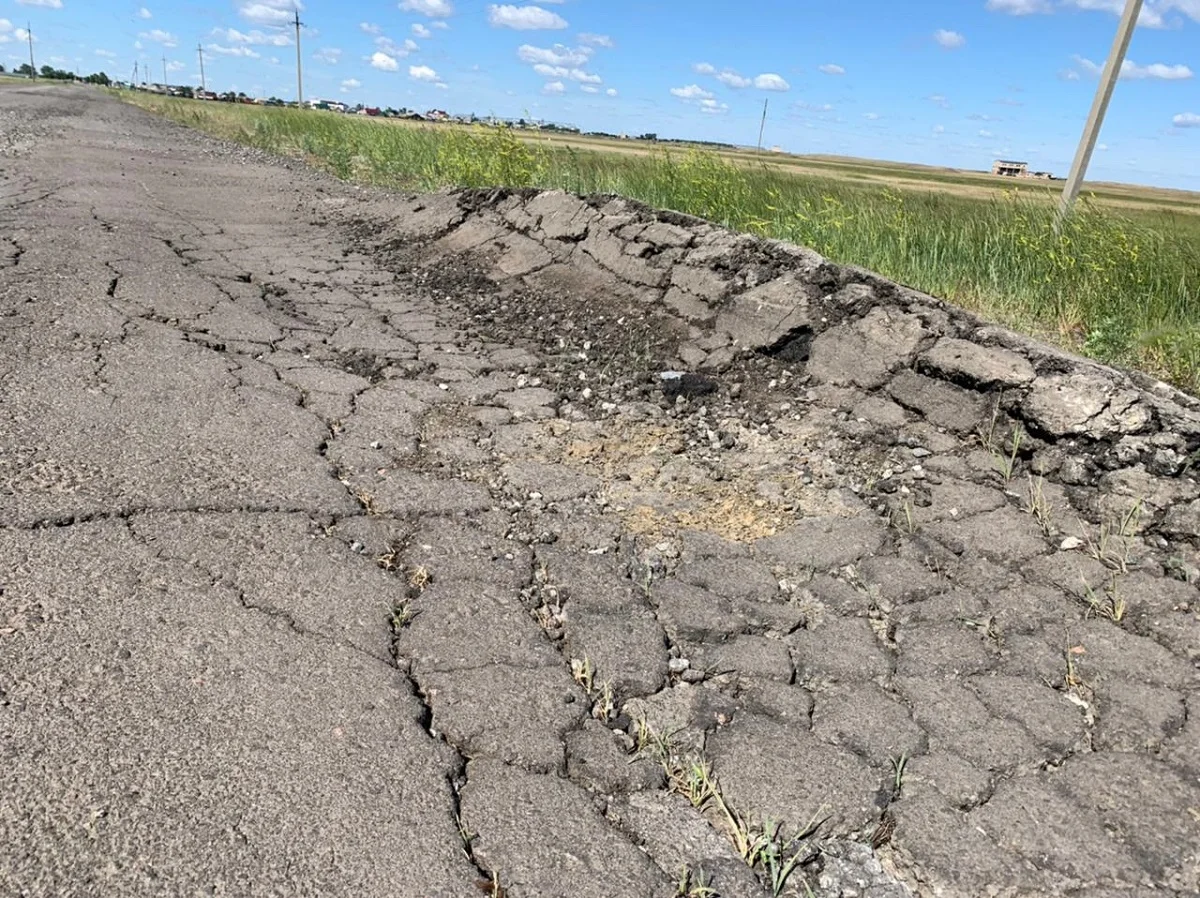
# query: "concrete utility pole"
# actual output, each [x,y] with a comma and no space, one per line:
[29,35]
[299,80]
[763,126]
[200,50]
[135,81]
[164,71]
[1104,92]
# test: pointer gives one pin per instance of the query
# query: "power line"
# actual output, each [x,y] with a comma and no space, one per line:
[1104,92]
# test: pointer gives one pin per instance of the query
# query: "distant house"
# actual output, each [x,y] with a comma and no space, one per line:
[1006,168]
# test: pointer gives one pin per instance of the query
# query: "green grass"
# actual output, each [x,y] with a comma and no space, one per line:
[1120,286]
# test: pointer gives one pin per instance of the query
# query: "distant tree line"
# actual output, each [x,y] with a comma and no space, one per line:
[52,74]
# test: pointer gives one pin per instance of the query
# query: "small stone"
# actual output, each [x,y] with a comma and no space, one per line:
[1071,542]
[678,665]
[919,452]
[376,444]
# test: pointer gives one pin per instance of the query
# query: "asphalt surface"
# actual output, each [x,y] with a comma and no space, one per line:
[347,540]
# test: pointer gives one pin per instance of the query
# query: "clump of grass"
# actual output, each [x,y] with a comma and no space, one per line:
[1121,287]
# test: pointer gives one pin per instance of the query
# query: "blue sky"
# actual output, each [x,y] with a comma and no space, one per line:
[944,82]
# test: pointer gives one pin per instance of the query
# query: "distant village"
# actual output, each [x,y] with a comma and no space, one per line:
[429,115]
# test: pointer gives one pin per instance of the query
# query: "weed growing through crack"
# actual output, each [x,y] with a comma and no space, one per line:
[1008,453]
[765,848]
[1110,604]
[694,884]
[1038,505]
[1113,544]
[604,702]
[402,615]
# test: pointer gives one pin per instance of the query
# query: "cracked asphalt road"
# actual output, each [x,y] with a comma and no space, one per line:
[345,538]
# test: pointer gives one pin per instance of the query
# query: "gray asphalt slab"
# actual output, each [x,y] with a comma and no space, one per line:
[351,543]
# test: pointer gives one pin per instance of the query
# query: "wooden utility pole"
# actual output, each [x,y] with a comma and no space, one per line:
[763,126]
[29,35]
[1104,92]
[299,80]
[200,50]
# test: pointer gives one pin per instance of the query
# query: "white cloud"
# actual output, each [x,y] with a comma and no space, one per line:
[1186,120]
[831,69]
[1150,16]
[1069,75]
[273,39]
[107,54]
[49,4]
[242,51]
[391,48]
[439,24]
[369,28]
[554,87]
[712,107]
[731,78]
[1102,147]
[384,63]
[771,81]
[871,116]
[137,45]
[422,73]
[175,66]
[983,132]
[5,26]
[691,92]
[1130,70]
[559,54]
[939,100]
[589,89]
[815,107]
[1018,7]
[436,9]
[442,85]
[939,129]
[144,13]
[596,40]
[704,68]
[328,55]
[270,12]
[159,36]
[950,40]
[612,92]
[350,84]
[561,71]
[524,18]
[421,31]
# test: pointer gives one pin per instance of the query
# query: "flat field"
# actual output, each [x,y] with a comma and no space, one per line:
[1120,282]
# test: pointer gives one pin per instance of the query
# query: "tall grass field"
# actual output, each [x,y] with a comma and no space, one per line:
[1121,286]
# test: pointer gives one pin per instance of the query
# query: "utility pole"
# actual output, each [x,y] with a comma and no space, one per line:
[200,50]
[299,80]
[1104,92]
[29,35]
[164,71]
[763,126]
[135,65]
